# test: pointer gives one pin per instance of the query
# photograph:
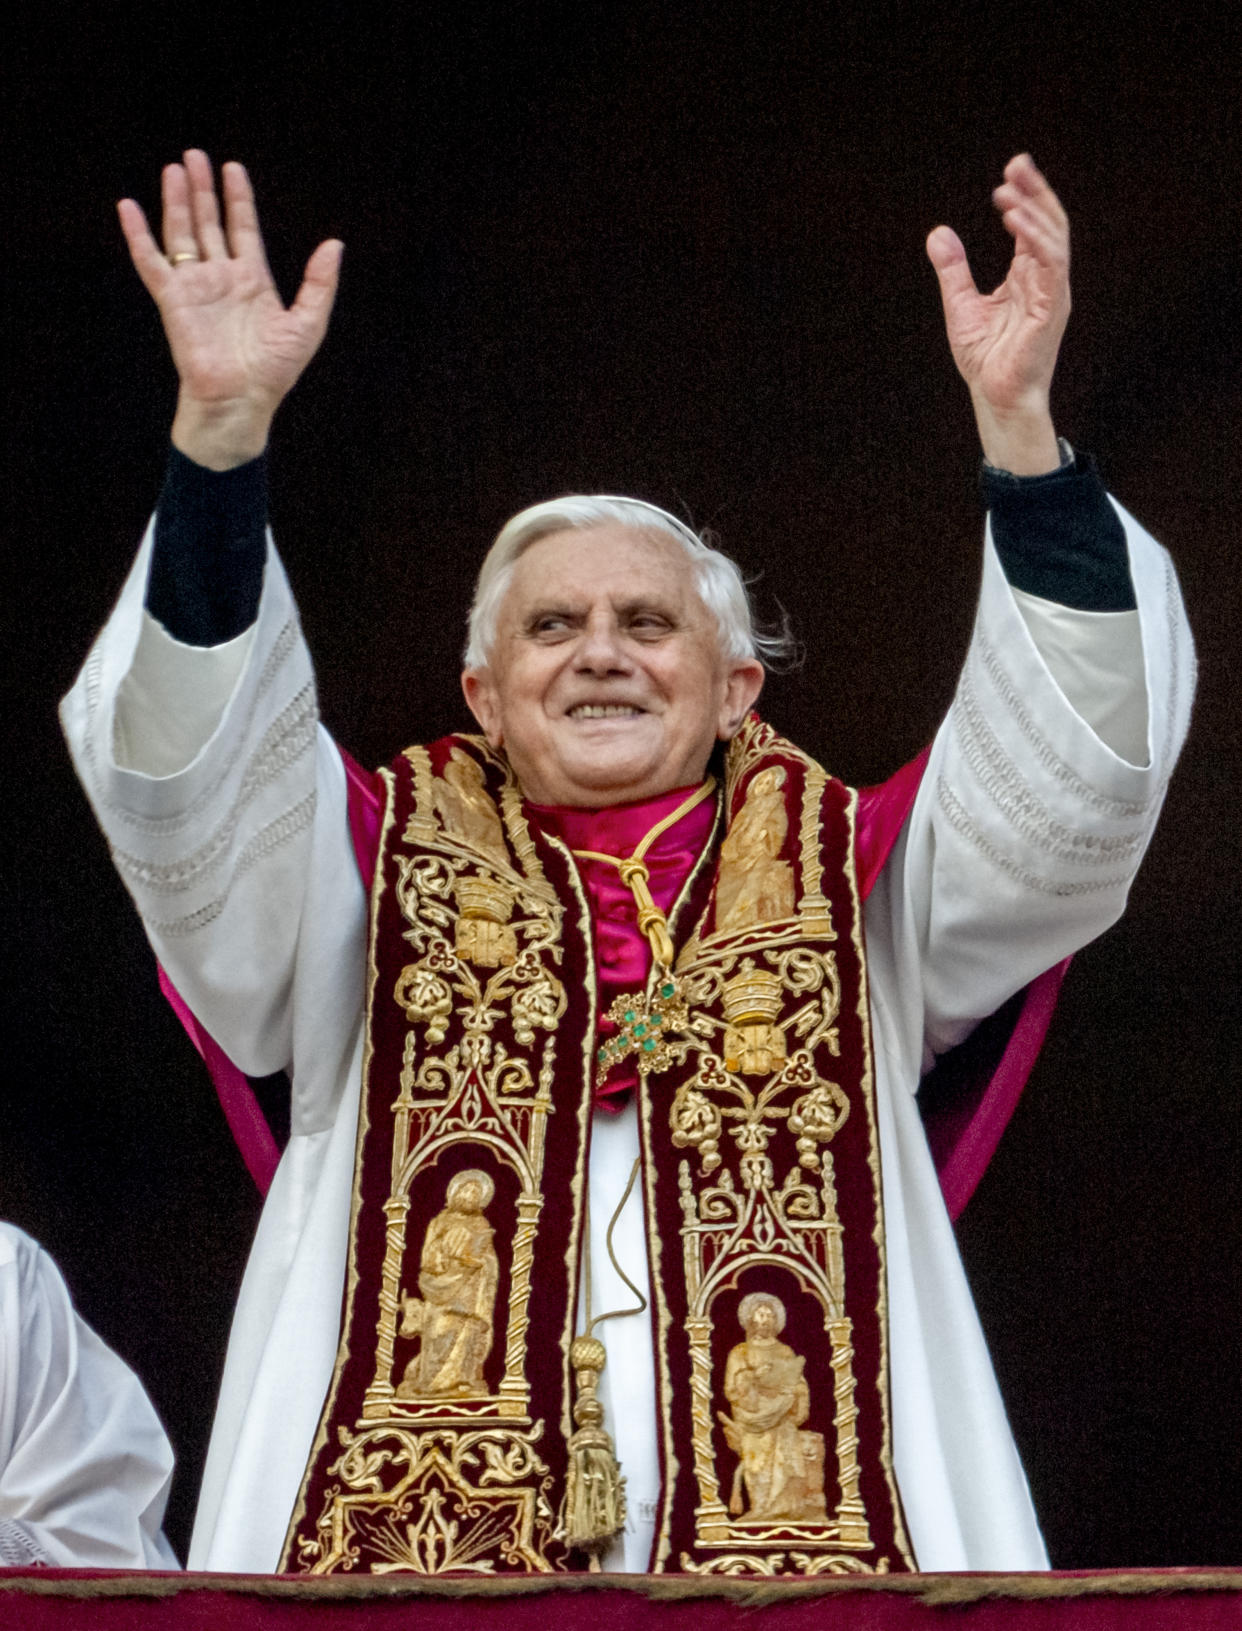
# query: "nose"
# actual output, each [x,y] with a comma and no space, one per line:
[601,650]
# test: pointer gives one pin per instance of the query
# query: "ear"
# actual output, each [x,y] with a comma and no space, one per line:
[742,687]
[481,699]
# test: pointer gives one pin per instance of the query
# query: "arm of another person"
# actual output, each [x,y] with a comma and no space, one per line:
[84,1463]
[1045,781]
[194,726]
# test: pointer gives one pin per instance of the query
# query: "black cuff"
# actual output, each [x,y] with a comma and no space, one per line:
[210,547]
[1058,536]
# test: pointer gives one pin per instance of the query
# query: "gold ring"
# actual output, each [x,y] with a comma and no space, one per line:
[182,255]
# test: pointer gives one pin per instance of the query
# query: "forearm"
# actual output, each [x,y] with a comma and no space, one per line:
[210,546]
[1020,439]
[223,433]
[1058,536]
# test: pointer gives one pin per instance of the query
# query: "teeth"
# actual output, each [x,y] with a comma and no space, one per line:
[599,710]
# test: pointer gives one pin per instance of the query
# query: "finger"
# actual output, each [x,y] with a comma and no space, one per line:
[1030,218]
[1025,178]
[319,285]
[180,242]
[203,207]
[1033,234]
[958,294]
[240,216]
[947,255]
[150,265]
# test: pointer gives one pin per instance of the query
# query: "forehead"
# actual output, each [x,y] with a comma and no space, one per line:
[610,562]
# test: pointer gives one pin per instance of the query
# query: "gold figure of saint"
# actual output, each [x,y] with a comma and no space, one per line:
[755,885]
[466,807]
[457,1275]
[781,1465]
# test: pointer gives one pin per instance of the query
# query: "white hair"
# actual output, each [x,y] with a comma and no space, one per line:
[719,583]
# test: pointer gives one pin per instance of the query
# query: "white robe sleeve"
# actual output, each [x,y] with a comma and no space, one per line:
[84,1463]
[1030,822]
[1024,838]
[229,828]
[224,805]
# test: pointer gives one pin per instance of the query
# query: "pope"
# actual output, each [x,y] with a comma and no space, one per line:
[657,982]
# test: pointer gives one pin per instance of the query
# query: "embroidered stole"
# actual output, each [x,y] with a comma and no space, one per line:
[442,1446]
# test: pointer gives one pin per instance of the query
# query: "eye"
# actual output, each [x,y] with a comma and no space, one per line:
[550,626]
[649,625]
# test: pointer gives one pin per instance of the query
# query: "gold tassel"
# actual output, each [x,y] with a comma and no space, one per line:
[595,1490]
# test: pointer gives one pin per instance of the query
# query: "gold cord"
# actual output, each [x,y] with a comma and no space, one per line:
[614,1313]
[634,874]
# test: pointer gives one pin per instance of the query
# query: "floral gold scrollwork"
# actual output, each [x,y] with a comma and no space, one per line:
[772,1566]
[764,1018]
[695,1120]
[540,1002]
[816,1118]
[452,1502]
[425,998]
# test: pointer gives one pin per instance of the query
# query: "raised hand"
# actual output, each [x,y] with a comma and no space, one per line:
[1005,344]
[238,350]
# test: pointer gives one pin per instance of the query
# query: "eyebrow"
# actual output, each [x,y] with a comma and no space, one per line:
[624,609]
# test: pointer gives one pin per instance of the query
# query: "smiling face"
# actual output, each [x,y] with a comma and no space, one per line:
[606,683]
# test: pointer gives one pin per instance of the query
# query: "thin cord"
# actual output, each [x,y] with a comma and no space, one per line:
[614,1313]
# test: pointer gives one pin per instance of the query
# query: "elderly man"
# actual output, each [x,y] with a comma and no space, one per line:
[629,956]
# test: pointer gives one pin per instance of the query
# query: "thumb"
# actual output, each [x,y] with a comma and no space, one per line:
[319,281]
[948,257]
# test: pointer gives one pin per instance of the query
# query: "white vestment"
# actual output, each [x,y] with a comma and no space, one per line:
[225,807]
[84,1463]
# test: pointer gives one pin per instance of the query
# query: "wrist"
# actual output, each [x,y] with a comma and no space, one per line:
[222,434]
[1020,440]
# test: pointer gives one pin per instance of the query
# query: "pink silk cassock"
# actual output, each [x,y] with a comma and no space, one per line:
[965,1110]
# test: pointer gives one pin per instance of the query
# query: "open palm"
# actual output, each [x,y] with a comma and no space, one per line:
[1005,343]
[233,341]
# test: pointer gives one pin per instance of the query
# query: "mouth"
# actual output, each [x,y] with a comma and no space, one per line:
[606,710]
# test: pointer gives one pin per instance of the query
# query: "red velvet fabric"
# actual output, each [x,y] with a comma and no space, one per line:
[1148,1600]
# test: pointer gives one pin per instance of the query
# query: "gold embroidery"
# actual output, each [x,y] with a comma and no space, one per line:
[781,1464]
[764,1210]
[753,1042]
[443,1471]
[773,1565]
[457,1276]
[483,935]
[494,1478]
[465,807]
[595,1489]
[755,885]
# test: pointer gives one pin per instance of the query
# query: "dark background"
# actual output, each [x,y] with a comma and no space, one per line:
[674,250]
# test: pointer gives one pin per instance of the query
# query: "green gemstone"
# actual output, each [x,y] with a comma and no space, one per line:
[630,1016]
[603,1055]
[668,990]
[649,1045]
[657,1019]
[640,1030]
